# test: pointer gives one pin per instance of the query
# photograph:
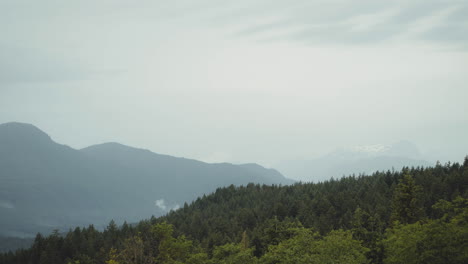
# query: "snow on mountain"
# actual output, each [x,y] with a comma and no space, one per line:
[356,159]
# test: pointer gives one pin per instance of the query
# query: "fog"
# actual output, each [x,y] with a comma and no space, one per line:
[239,81]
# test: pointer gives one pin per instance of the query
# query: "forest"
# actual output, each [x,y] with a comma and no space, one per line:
[416,215]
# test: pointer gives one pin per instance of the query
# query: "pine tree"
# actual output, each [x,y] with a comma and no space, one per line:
[405,205]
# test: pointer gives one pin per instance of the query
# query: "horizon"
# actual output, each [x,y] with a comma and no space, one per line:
[362,153]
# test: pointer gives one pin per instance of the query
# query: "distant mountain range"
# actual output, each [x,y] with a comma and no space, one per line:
[354,160]
[45,185]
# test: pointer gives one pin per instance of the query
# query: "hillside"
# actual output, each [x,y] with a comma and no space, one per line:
[45,185]
[417,215]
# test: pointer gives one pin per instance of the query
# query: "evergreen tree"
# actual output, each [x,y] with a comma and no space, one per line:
[405,204]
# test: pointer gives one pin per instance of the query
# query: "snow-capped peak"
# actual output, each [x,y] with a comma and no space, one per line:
[371,149]
[401,149]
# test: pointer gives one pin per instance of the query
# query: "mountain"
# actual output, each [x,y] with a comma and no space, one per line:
[357,160]
[45,185]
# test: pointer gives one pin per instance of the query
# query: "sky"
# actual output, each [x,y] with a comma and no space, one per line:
[239,81]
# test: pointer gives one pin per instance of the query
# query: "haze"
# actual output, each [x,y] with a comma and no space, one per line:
[239,81]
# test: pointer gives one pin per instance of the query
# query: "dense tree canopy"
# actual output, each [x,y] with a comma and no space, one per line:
[417,215]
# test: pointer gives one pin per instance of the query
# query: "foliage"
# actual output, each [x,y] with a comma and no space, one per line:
[443,240]
[405,205]
[418,215]
[307,247]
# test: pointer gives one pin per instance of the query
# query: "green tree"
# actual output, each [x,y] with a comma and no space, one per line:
[307,247]
[133,253]
[233,254]
[170,249]
[406,207]
[439,241]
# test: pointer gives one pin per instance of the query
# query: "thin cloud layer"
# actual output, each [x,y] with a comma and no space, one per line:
[357,22]
[32,44]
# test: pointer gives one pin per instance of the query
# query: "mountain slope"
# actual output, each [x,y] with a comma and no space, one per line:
[357,160]
[45,185]
[269,224]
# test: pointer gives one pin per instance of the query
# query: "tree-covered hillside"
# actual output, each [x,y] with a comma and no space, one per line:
[417,215]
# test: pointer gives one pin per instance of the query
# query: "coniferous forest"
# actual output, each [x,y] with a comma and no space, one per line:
[416,215]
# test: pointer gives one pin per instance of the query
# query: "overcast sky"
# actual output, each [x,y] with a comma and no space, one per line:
[239,81]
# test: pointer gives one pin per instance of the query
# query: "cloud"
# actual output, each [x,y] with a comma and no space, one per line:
[161,204]
[363,22]
[309,21]
[37,43]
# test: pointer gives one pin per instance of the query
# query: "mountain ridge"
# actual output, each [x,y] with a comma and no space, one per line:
[47,185]
[357,160]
